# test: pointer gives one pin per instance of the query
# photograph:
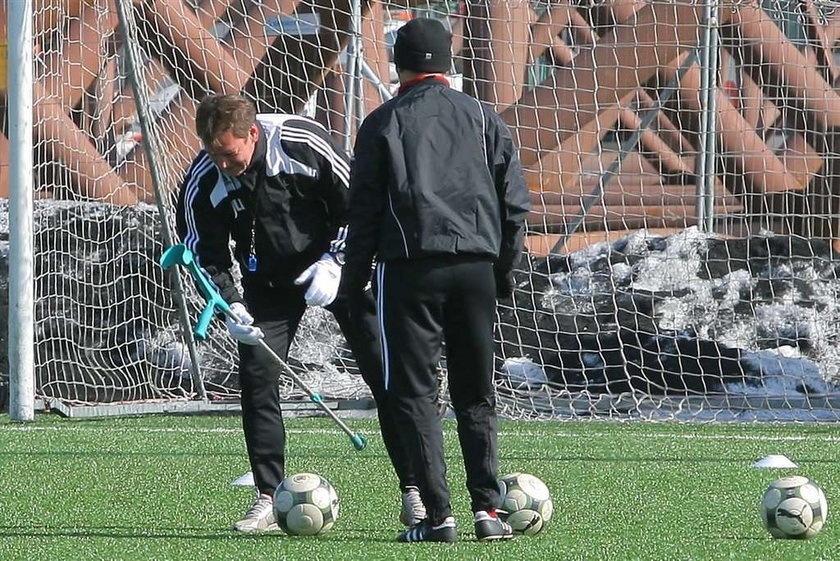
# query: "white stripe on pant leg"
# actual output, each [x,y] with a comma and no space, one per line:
[380,314]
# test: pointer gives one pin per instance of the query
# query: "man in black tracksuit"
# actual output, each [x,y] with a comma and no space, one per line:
[437,197]
[277,185]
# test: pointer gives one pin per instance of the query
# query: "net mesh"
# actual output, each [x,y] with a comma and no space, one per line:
[671,272]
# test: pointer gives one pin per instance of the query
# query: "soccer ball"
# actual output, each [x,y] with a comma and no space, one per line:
[305,504]
[527,501]
[794,507]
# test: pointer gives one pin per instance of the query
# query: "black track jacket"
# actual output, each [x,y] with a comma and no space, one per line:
[435,172]
[290,203]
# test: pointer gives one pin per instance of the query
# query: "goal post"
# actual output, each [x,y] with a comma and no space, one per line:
[18,81]
[161,183]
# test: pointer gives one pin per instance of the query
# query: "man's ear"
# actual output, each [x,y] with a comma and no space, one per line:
[254,132]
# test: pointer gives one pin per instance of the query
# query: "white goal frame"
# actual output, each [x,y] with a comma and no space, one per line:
[21,186]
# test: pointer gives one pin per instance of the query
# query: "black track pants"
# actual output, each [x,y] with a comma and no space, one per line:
[362,335]
[421,303]
[278,311]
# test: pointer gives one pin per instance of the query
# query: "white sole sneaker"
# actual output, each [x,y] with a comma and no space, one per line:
[259,518]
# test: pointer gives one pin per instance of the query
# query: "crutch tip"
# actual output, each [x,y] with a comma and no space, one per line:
[359,443]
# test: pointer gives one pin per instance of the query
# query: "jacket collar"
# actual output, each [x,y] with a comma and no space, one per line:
[258,159]
[422,78]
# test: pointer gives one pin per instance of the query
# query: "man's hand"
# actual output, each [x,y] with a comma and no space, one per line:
[244,329]
[323,277]
[504,283]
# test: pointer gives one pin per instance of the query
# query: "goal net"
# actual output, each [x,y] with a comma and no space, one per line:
[681,158]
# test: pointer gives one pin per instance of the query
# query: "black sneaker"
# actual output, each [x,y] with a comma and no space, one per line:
[425,531]
[489,527]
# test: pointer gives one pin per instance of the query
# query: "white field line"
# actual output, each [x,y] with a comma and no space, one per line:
[529,434]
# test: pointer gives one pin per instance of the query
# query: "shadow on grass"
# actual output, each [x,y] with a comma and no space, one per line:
[181,533]
[118,454]
[186,454]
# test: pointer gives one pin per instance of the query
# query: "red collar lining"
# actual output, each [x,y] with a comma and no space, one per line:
[439,77]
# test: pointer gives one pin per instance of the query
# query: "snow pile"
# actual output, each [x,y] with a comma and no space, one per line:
[687,314]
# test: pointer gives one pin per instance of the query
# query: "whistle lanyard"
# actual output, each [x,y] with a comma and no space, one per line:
[252,255]
[259,184]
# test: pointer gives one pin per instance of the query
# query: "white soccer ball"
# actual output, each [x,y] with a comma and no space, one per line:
[527,501]
[305,504]
[794,507]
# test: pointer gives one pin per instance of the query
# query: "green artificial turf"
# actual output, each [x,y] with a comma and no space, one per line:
[159,487]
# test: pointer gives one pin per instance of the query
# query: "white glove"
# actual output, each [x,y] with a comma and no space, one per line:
[244,329]
[323,277]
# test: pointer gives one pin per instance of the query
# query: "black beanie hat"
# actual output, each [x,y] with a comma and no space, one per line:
[423,45]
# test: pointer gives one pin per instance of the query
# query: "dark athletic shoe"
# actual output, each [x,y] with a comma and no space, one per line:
[489,527]
[425,531]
